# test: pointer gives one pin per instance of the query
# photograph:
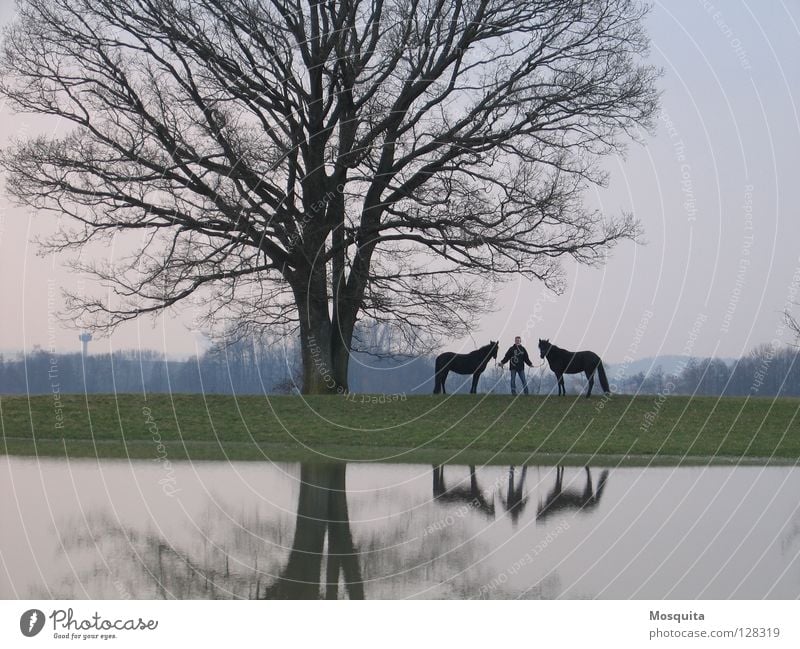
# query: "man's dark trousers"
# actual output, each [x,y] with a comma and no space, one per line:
[521,372]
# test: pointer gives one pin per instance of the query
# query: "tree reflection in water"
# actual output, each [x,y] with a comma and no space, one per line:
[321,511]
[243,559]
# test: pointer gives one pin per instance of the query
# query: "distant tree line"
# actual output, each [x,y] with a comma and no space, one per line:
[239,368]
[269,367]
[767,370]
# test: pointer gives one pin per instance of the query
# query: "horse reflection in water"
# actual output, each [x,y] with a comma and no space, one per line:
[321,511]
[472,495]
[560,500]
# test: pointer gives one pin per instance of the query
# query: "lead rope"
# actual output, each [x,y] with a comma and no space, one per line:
[542,370]
[540,367]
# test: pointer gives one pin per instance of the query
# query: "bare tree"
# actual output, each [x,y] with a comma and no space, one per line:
[306,163]
[794,326]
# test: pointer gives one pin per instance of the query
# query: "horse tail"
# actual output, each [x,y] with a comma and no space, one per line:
[601,485]
[437,374]
[601,374]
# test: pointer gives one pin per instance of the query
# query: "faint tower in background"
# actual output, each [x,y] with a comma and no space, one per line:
[85,337]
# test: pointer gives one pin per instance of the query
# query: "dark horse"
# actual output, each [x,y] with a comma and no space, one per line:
[473,363]
[563,362]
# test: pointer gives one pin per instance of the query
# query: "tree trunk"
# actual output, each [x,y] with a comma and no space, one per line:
[340,359]
[325,351]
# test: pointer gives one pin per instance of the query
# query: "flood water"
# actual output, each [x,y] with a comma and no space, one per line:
[119,529]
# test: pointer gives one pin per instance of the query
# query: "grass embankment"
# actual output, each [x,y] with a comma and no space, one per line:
[461,428]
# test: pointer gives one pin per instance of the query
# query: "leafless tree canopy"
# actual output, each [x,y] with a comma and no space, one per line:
[794,326]
[309,163]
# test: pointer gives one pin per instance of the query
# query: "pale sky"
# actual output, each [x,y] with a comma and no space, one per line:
[715,188]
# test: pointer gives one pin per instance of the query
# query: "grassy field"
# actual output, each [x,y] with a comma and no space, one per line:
[461,428]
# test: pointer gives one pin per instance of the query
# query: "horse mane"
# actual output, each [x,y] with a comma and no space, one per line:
[556,348]
[481,351]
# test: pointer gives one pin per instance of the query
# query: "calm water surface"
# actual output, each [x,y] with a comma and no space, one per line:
[119,529]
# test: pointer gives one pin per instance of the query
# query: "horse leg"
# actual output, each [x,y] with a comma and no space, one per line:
[561,388]
[444,378]
[588,492]
[590,376]
[475,378]
[438,480]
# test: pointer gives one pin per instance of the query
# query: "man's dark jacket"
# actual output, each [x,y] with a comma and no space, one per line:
[516,356]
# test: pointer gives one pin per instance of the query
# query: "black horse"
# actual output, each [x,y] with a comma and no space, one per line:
[564,362]
[473,363]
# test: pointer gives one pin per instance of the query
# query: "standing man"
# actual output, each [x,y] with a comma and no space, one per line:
[517,358]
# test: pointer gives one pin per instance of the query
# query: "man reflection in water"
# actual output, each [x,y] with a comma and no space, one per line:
[516,499]
[517,358]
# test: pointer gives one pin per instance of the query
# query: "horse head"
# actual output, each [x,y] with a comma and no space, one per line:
[544,347]
[493,347]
